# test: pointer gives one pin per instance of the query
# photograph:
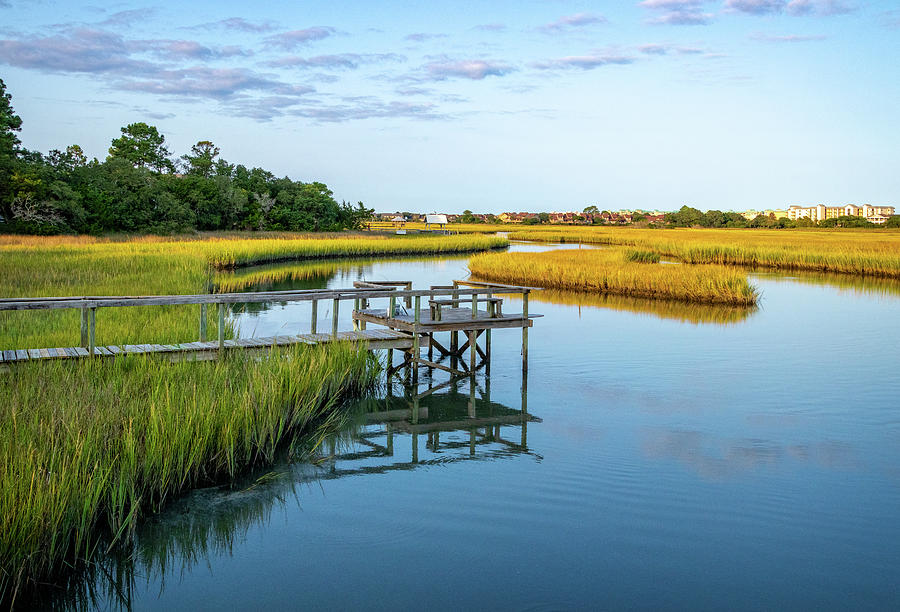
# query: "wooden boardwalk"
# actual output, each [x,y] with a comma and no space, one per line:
[408,329]
[375,339]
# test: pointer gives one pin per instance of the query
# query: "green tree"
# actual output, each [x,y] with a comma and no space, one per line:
[142,146]
[10,124]
[591,210]
[202,159]
[544,217]
[893,221]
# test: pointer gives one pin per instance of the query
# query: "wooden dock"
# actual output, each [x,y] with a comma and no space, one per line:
[405,325]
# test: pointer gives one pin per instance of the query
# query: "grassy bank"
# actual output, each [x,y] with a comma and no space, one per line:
[60,266]
[871,253]
[87,448]
[610,271]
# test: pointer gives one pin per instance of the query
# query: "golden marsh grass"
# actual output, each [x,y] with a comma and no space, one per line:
[608,271]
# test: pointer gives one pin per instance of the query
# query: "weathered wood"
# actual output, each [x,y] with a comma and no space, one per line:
[334,317]
[84,327]
[315,316]
[202,322]
[92,328]
[525,333]
[440,366]
[221,326]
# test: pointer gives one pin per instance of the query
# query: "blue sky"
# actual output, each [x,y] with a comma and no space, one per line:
[493,106]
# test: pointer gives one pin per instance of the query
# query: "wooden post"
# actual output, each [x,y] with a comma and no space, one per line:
[221,326]
[408,299]
[390,438]
[92,328]
[334,317]
[416,356]
[474,305]
[392,308]
[454,335]
[473,352]
[202,322]
[84,327]
[487,351]
[315,316]
[355,309]
[525,332]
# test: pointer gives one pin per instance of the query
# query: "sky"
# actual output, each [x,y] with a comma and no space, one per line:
[540,105]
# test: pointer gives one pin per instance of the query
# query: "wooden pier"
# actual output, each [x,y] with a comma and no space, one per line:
[404,324]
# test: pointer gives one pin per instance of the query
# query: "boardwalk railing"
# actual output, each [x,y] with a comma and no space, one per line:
[361,296]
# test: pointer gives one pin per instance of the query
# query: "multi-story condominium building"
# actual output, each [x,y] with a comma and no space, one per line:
[820,212]
[752,214]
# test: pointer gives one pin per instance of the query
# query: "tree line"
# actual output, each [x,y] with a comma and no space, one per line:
[141,187]
[687,216]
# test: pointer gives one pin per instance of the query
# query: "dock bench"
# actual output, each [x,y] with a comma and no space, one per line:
[494,306]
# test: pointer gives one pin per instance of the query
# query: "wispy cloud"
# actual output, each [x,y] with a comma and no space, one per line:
[423,36]
[473,69]
[756,7]
[583,62]
[823,8]
[490,27]
[237,24]
[349,61]
[787,38]
[678,12]
[569,22]
[126,18]
[288,41]
[204,82]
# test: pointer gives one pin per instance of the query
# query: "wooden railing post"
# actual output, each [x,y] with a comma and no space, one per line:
[355,309]
[408,299]
[84,327]
[474,305]
[202,322]
[525,331]
[454,335]
[221,329]
[92,328]
[393,307]
[416,355]
[315,316]
[334,317]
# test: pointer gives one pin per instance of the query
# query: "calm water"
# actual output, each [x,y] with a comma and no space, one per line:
[679,458]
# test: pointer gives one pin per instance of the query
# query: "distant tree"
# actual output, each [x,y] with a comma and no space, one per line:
[846,221]
[468,217]
[10,125]
[142,146]
[638,218]
[65,162]
[491,218]
[544,217]
[530,221]
[686,216]
[592,210]
[201,161]
[893,221]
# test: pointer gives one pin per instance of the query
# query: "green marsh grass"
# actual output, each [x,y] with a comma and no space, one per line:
[65,266]
[89,447]
[609,271]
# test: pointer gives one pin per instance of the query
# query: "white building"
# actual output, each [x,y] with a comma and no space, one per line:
[820,212]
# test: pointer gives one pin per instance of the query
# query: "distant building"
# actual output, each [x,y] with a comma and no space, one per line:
[750,215]
[435,220]
[820,212]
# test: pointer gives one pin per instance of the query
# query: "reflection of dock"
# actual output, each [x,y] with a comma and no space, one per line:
[449,421]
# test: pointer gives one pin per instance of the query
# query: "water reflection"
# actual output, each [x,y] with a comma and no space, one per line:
[457,422]
[685,312]
[863,285]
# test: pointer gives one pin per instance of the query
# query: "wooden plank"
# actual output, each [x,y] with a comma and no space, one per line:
[115,350]
[45,353]
[80,350]
[433,364]
[105,351]
[21,355]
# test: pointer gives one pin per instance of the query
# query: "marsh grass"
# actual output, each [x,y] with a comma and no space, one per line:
[65,266]
[870,253]
[609,271]
[89,447]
